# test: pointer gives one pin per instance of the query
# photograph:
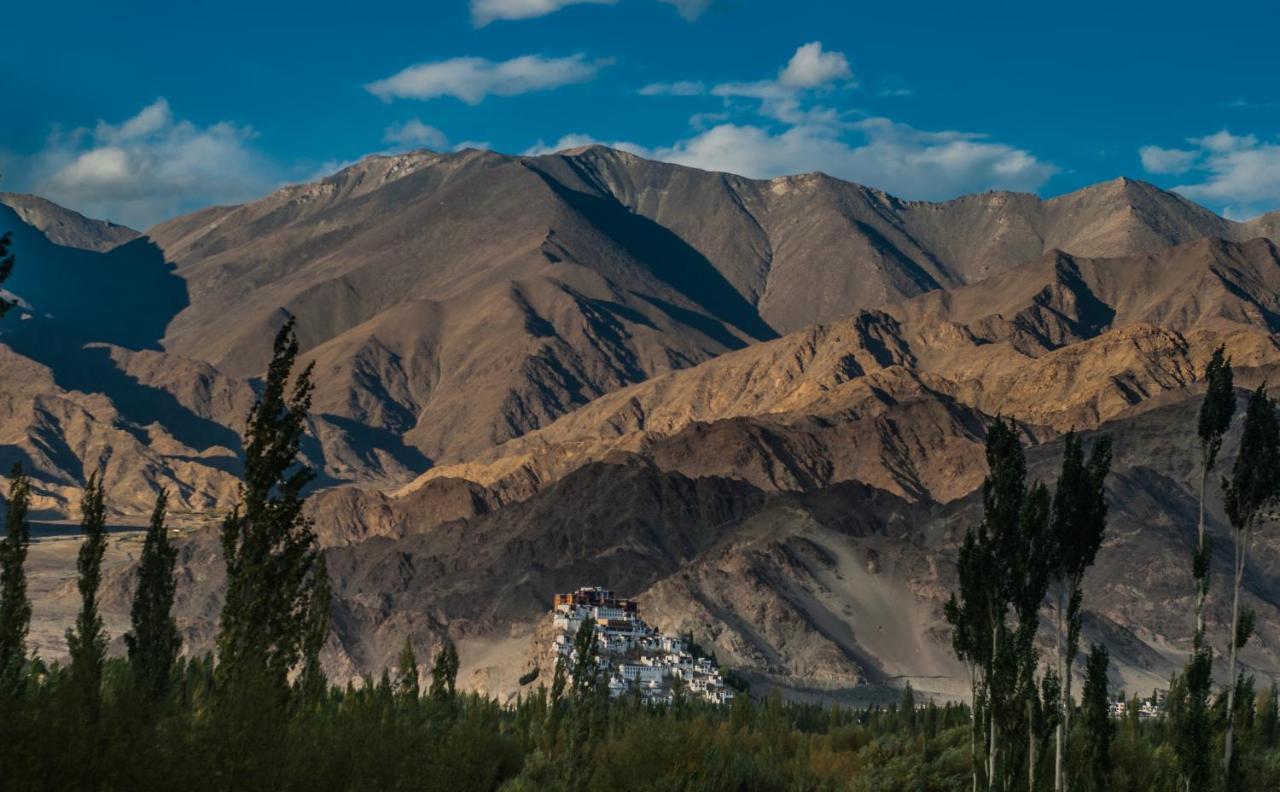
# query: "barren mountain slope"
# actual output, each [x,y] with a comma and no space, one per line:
[836,589]
[1066,342]
[66,227]
[452,302]
[538,283]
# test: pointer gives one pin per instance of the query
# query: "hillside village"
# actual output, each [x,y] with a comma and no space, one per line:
[635,658]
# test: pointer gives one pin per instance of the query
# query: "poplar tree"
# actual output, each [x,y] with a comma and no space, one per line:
[1077,526]
[1250,497]
[153,642]
[87,641]
[1002,575]
[444,672]
[1216,410]
[311,681]
[267,543]
[15,608]
[1095,713]
[407,680]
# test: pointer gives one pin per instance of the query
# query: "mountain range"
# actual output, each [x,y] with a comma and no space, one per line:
[758,405]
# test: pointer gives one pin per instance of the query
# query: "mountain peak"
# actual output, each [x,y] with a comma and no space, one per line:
[67,227]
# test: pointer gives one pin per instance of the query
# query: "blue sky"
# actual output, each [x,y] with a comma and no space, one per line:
[140,111]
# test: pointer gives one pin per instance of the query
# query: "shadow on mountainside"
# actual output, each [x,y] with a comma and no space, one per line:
[126,296]
[78,364]
[668,257]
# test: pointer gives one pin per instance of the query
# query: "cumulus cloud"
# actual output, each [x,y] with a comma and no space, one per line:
[578,140]
[877,151]
[811,66]
[811,71]
[795,135]
[1163,160]
[150,167]
[485,11]
[681,88]
[1237,174]
[892,156]
[414,133]
[473,79]
[690,9]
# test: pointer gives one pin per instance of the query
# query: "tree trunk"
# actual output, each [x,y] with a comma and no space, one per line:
[1059,735]
[1031,745]
[1200,582]
[1067,661]
[1241,539]
[993,744]
[973,723]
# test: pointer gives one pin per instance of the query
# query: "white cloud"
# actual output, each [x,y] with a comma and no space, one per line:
[1163,160]
[414,133]
[811,67]
[472,79]
[578,140]
[895,157]
[485,11]
[690,9]
[150,167]
[681,88]
[1237,174]
[810,70]
[878,152]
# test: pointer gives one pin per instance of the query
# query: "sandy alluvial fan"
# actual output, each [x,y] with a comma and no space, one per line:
[758,405]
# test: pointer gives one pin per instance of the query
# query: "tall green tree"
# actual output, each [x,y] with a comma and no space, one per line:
[87,641]
[585,680]
[153,642]
[311,681]
[407,679]
[444,672]
[1029,569]
[1216,411]
[1002,574]
[1251,496]
[267,543]
[1095,712]
[1191,727]
[15,608]
[1077,526]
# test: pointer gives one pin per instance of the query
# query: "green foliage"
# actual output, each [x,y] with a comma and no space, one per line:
[1249,498]
[15,608]
[1099,731]
[1218,407]
[444,672]
[1004,567]
[318,619]
[1190,721]
[1256,473]
[154,642]
[267,543]
[407,676]
[87,641]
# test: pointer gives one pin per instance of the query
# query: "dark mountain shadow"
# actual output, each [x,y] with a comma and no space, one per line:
[126,296]
[366,438]
[668,257]
[701,322]
[90,369]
